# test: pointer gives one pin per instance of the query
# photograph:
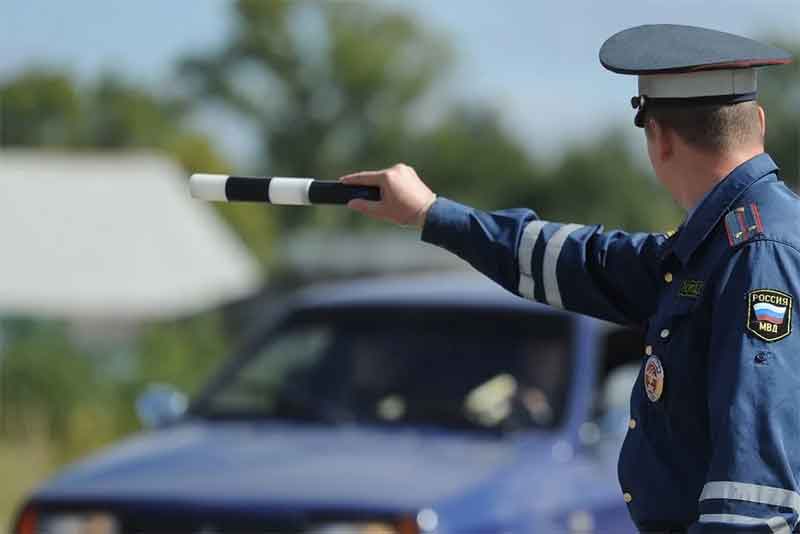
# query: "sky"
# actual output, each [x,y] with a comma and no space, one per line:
[534,61]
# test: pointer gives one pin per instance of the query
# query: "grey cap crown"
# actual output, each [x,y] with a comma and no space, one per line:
[665,48]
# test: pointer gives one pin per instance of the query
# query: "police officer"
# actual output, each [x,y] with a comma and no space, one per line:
[714,437]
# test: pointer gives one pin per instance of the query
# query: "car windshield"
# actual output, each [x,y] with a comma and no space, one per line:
[453,368]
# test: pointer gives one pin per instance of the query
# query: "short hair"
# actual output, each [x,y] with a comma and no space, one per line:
[711,128]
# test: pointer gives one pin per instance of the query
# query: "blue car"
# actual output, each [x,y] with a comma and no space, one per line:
[435,404]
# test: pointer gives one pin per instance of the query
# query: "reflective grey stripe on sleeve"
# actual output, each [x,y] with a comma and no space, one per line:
[550,264]
[777,524]
[742,491]
[525,256]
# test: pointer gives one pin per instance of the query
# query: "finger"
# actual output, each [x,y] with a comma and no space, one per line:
[363,178]
[367,207]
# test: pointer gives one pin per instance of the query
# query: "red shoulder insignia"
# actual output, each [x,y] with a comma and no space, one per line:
[743,223]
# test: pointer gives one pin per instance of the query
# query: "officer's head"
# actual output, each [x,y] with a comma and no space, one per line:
[697,92]
[679,133]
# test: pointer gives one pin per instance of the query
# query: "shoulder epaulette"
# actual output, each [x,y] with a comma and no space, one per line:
[743,223]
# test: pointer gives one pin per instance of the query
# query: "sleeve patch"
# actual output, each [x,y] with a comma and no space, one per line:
[769,314]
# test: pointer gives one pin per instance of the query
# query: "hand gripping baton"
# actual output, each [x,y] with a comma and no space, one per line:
[277,190]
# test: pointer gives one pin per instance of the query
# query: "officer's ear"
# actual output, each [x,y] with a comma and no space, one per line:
[659,139]
[762,117]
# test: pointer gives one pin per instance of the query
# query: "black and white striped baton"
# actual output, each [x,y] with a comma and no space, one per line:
[277,190]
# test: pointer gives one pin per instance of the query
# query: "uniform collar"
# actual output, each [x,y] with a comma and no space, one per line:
[717,203]
[690,212]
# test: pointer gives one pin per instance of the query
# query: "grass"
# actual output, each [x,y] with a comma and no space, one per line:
[23,464]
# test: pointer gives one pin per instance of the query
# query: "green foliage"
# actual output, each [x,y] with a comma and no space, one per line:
[182,352]
[47,109]
[122,116]
[40,108]
[81,392]
[779,93]
[43,375]
[343,101]
[327,104]
[470,156]
[601,183]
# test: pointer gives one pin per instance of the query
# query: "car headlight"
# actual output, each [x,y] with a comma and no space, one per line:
[426,521]
[84,523]
[404,526]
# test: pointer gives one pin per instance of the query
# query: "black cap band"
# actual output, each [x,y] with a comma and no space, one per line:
[640,102]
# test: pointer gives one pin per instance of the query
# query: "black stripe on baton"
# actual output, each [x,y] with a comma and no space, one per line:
[244,189]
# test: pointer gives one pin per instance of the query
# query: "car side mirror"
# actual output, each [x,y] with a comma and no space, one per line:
[159,405]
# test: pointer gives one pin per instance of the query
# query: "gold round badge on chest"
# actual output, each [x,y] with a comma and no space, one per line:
[653,378]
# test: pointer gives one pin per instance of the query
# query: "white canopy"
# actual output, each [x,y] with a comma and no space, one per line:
[111,236]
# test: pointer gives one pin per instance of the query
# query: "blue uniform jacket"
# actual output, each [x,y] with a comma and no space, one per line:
[714,439]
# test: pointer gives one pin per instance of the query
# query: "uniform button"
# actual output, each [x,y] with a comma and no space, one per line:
[648,350]
[627,497]
[632,423]
[668,277]
[664,333]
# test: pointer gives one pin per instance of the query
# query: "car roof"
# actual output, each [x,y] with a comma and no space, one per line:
[426,290]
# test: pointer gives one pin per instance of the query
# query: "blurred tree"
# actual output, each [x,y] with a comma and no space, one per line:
[71,391]
[779,93]
[329,86]
[47,109]
[44,378]
[336,98]
[470,156]
[39,108]
[182,353]
[602,182]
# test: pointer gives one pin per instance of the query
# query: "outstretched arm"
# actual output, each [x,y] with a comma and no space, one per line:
[612,275]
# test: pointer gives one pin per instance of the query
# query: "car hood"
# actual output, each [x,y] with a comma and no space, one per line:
[286,465]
